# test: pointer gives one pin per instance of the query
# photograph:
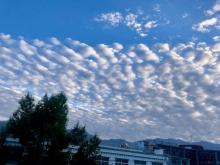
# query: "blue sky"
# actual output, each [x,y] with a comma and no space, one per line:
[148,67]
[43,19]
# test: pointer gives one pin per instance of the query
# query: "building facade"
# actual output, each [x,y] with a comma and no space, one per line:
[196,154]
[127,156]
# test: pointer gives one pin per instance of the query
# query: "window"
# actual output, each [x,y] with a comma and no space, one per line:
[138,162]
[102,160]
[156,163]
[119,161]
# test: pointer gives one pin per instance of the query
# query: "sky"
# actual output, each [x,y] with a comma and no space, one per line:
[130,69]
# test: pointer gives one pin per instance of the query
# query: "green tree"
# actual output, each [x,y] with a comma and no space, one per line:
[88,150]
[41,128]
[2,147]
[20,123]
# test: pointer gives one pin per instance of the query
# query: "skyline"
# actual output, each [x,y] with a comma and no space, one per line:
[135,71]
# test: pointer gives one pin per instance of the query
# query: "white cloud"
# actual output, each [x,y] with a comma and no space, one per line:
[163,47]
[185,15]
[113,18]
[153,87]
[150,24]
[55,41]
[26,48]
[211,22]
[3,118]
[205,25]
[215,9]
[216,48]
[216,38]
[148,55]
[134,21]
[196,115]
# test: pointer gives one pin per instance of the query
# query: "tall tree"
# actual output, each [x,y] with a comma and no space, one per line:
[41,128]
[88,150]
[20,122]
[3,153]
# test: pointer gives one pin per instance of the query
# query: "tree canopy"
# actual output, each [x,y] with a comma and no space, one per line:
[88,148]
[41,128]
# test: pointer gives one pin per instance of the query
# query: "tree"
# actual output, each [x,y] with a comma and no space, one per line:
[41,128]
[78,135]
[2,147]
[20,123]
[88,150]
[51,131]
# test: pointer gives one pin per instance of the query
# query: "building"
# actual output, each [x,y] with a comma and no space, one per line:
[127,156]
[196,154]
[108,155]
[123,155]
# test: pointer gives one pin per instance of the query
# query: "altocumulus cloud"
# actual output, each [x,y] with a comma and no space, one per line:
[212,22]
[130,92]
[134,21]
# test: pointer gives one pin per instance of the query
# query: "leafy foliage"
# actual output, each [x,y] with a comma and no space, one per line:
[89,147]
[41,128]
[20,122]
[2,147]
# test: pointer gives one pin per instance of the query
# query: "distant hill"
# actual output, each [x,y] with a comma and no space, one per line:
[208,145]
[3,123]
[118,142]
[176,142]
[205,144]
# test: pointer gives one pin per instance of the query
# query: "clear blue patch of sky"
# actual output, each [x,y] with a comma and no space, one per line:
[75,19]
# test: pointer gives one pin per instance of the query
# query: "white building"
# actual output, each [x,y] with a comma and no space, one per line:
[125,156]
[119,155]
